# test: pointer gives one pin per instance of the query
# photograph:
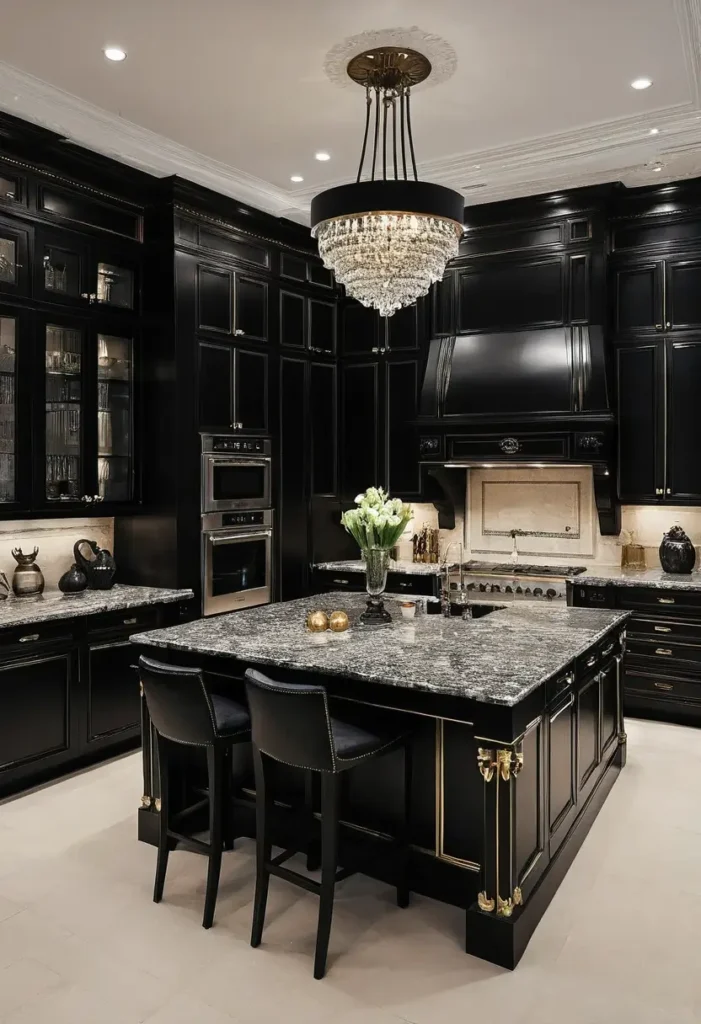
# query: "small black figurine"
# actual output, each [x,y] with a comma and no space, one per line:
[677,553]
[73,581]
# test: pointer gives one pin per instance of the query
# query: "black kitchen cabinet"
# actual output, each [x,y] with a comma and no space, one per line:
[76,270]
[360,329]
[232,302]
[293,319]
[442,306]
[113,701]
[365,332]
[657,296]
[401,392]
[16,384]
[232,388]
[640,370]
[322,326]
[323,425]
[535,290]
[14,258]
[659,421]
[307,323]
[35,696]
[293,515]
[360,427]
[562,768]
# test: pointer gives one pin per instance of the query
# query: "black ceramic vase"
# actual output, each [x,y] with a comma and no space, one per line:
[677,553]
[73,581]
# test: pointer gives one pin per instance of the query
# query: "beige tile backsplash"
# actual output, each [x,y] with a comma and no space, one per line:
[55,539]
[646,524]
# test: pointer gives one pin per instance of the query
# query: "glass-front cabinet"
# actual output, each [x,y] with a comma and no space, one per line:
[88,434]
[13,257]
[74,271]
[8,408]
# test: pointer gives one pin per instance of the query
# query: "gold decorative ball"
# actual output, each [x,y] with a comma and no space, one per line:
[338,621]
[317,621]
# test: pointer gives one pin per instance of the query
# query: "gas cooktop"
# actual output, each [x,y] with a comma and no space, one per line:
[520,569]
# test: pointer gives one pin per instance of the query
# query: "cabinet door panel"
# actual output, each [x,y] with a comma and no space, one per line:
[639,424]
[588,736]
[442,315]
[215,387]
[14,257]
[535,293]
[637,292]
[113,690]
[401,396]
[115,414]
[683,477]
[360,329]
[251,390]
[403,329]
[360,412]
[683,308]
[35,708]
[10,330]
[61,268]
[292,320]
[322,404]
[214,300]
[293,512]
[66,363]
[251,316]
[322,326]
[562,770]
[609,705]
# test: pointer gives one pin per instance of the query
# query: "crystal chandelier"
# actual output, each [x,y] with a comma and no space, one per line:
[389,237]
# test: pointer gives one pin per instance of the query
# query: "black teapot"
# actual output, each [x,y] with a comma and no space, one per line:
[677,553]
[99,569]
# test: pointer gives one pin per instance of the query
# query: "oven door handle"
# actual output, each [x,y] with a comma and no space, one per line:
[217,461]
[218,538]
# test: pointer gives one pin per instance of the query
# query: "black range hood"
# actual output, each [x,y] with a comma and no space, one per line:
[519,398]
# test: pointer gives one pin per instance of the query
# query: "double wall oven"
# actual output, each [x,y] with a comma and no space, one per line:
[237,523]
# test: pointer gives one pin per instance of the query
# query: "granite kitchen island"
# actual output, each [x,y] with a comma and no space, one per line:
[518,738]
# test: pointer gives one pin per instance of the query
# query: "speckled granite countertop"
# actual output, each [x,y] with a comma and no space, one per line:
[357,565]
[605,576]
[52,604]
[498,659]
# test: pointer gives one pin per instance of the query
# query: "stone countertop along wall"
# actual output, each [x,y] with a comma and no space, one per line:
[498,659]
[605,576]
[52,604]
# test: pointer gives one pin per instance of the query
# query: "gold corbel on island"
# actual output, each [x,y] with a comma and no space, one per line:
[486,763]
[484,902]
[505,908]
[509,763]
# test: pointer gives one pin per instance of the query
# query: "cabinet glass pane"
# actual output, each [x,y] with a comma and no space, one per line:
[8,261]
[114,417]
[115,286]
[61,271]
[8,408]
[8,189]
[64,363]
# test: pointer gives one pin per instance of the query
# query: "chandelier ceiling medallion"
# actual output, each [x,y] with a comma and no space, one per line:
[388,238]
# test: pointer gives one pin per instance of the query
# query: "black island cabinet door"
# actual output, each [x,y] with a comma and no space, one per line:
[683,476]
[640,371]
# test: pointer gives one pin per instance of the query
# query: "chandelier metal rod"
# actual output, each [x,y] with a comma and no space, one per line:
[377,130]
[368,104]
[394,134]
[411,137]
[384,136]
[402,133]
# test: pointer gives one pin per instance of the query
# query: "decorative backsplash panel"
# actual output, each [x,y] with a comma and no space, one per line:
[55,539]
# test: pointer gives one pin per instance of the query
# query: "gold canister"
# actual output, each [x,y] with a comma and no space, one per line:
[338,622]
[317,621]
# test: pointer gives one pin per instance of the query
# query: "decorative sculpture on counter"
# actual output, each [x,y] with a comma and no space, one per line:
[677,553]
[376,526]
[99,569]
[4,587]
[27,579]
[73,581]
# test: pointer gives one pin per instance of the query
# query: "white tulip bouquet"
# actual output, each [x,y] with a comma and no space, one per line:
[378,521]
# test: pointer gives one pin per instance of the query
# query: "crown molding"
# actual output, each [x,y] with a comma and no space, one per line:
[620,149]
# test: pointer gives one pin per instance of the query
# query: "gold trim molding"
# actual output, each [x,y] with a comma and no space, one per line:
[486,763]
[485,903]
[509,763]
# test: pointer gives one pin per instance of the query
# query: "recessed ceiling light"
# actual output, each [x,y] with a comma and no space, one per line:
[321,155]
[641,83]
[114,53]
[296,177]
[654,131]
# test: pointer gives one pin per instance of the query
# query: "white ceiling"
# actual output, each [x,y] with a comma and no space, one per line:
[233,93]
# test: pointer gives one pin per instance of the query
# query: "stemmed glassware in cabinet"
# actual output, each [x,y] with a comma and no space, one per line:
[64,351]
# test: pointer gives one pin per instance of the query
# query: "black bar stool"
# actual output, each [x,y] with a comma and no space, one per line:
[184,711]
[292,723]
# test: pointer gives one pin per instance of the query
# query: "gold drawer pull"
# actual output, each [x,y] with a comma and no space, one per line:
[664,686]
[665,600]
[130,622]
[663,629]
[662,650]
[340,581]
[608,650]
[29,638]
[591,661]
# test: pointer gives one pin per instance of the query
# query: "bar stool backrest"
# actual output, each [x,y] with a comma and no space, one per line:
[290,722]
[178,702]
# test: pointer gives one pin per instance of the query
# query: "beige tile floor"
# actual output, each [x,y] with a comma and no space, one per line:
[81,941]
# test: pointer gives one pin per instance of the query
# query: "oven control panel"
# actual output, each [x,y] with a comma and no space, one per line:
[243,519]
[235,445]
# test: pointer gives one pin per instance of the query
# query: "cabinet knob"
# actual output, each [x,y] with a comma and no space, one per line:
[239,331]
[669,490]
[97,497]
[668,324]
[87,498]
[658,327]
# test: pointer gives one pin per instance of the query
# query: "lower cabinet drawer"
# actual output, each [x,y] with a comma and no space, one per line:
[653,685]
[662,630]
[668,602]
[663,652]
[132,620]
[332,580]
[405,583]
[25,640]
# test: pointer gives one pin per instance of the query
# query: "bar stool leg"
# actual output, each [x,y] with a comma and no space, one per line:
[163,842]
[215,771]
[403,886]
[264,807]
[228,799]
[313,846]
[329,863]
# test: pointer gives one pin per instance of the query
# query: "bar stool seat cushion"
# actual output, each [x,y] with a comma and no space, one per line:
[353,741]
[230,717]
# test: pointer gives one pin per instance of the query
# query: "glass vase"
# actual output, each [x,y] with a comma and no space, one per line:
[376,566]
